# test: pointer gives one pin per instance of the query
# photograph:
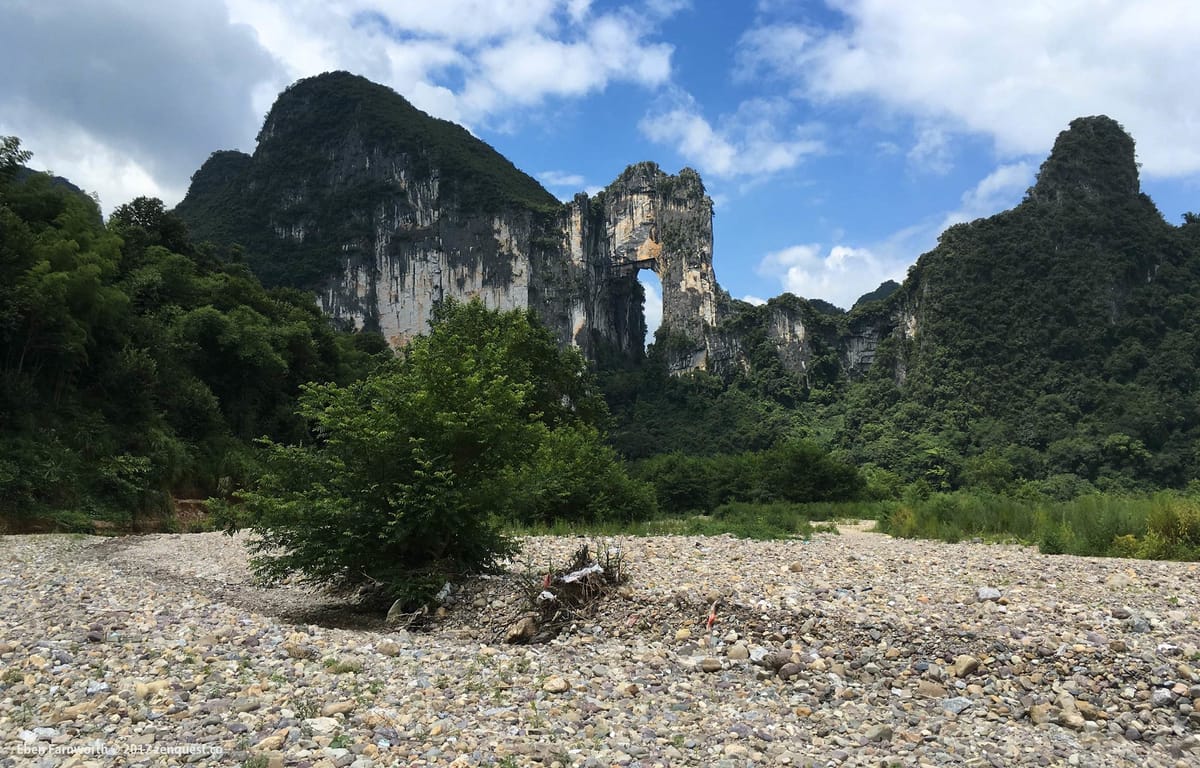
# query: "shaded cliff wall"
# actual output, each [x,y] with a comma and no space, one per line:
[385,211]
[577,269]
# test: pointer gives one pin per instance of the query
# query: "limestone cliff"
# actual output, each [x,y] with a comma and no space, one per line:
[384,211]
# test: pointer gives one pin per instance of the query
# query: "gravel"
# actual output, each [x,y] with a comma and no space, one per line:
[852,649]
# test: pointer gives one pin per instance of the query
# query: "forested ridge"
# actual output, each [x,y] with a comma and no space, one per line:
[1043,354]
[1055,342]
[134,365]
[1049,350]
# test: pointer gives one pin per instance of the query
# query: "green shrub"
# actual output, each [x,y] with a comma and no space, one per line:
[575,477]
[399,489]
[1125,545]
[1055,540]
[753,521]
[796,472]
[1172,529]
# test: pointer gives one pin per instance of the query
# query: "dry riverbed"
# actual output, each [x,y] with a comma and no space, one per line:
[852,649]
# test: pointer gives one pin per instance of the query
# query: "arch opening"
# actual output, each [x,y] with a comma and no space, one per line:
[652,303]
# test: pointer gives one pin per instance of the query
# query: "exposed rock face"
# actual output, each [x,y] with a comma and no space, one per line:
[385,212]
[577,269]
[649,220]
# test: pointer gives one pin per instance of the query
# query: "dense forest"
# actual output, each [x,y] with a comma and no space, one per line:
[135,366]
[1054,353]
[1043,355]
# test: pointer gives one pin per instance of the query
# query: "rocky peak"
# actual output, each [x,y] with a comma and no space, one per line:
[1093,158]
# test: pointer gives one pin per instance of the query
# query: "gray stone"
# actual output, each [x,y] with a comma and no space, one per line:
[1162,697]
[987,593]
[957,704]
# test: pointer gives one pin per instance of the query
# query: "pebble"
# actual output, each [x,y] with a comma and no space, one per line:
[738,652]
[855,649]
[985,594]
[957,704]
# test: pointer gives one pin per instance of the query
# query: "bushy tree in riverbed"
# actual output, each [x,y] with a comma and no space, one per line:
[409,470]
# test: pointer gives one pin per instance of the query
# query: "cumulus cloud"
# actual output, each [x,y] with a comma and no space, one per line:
[147,91]
[1016,72]
[755,300]
[528,68]
[152,89]
[839,274]
[465,60]
[746,143]
[1001,189]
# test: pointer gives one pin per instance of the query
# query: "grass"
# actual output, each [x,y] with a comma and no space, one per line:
[340,667]
[743,520]
[1164,526]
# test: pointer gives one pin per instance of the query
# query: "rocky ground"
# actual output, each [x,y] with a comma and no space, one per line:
[852,649]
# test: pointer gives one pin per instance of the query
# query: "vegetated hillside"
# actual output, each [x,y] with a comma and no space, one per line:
[1049,343]
[1057,340]
[293,210]
[133,365]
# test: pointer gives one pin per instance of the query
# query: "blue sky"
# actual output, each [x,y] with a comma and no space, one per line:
[837,137]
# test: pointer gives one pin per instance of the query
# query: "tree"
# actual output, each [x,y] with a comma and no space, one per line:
[398,489]
[12,156]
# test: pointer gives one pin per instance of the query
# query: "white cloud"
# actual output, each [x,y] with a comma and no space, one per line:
[932,151]
[755,300]
[842,273]
[566,185]
[1017,72]
[747,143]
[462,20]
[1001,189]
[838,275]
[562,179]
[129,98]
[151,89]
[92,166]
[526,69]
[769,50]
[465,60]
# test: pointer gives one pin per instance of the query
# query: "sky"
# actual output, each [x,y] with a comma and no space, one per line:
[837,138]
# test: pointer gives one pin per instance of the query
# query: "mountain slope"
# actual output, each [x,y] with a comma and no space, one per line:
[335,154]
[1061,331]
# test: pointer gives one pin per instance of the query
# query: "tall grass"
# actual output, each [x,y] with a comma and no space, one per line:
[778,520]
[1163,526]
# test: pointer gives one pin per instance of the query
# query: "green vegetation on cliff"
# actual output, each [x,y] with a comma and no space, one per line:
[1055,343]
[337,152]
[134,366]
